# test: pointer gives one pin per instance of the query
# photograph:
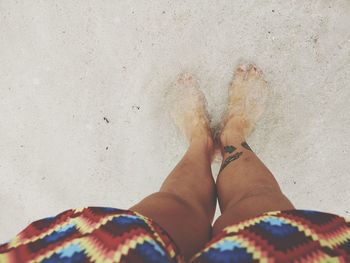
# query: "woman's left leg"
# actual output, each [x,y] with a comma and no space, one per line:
[185,203]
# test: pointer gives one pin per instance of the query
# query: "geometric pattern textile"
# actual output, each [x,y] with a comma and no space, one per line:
[100,234]
[287,236]
[93,234]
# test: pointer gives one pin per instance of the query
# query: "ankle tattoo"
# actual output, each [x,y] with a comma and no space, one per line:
[230,159]
[231,149]
[246,146]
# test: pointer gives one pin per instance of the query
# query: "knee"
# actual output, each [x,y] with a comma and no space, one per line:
[266,193]
[263,198]
[171,198]
[200,196]
[186,204]
[159,202]
[253,202]
[261,190]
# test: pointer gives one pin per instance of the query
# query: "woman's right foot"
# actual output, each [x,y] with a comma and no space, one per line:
[247,97]
[189,110]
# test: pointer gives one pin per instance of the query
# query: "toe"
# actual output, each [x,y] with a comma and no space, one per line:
[255,73]
[240,73]
[187,79]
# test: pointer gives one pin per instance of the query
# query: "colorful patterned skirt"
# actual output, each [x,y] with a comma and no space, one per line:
[98,234]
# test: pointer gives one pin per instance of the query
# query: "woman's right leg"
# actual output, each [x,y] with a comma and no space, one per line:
[185,203]
[245,187]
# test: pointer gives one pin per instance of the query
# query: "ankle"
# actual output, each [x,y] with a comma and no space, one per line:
[233,132]
[204,141]
[232,137]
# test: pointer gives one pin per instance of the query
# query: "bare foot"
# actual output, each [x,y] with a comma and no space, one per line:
[247,97]
[189,108]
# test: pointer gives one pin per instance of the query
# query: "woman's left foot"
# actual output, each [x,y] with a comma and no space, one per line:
[247,97]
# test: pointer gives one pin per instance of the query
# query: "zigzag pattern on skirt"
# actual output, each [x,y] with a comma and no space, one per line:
[98,234]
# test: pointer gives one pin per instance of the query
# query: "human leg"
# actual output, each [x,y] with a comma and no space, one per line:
[185,203]
[245,186]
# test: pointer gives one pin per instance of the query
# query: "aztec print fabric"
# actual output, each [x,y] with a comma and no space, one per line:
[94,234]
[288,236]
[99,234]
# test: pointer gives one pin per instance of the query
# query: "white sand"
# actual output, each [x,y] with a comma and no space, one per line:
[67,65]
